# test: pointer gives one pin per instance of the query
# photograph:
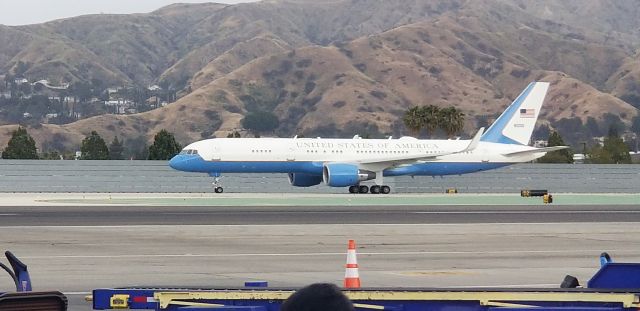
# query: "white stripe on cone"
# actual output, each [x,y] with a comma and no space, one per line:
[351,273]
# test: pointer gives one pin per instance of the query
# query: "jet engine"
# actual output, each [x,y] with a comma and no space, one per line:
[304,180]
[344,174]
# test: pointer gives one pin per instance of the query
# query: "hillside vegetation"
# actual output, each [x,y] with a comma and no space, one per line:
[337,68]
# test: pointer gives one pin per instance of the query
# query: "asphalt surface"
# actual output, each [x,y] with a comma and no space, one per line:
[79,248]
[278,215]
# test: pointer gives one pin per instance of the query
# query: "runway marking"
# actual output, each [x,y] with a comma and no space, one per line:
[534,212]
[9,214]
[323,254]
[174,226]
[410,212]
[554,285]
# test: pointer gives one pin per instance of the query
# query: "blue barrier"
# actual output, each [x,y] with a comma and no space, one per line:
[616,275]
[615,287]
[24,298]
[244,299]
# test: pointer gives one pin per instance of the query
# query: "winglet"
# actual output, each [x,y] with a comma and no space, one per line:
[475,141]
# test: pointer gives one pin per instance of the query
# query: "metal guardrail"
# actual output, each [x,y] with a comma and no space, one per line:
[157,176]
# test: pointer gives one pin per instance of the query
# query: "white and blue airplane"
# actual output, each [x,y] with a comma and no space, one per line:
[348,162]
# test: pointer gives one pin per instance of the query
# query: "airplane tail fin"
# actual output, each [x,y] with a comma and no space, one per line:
[516,124]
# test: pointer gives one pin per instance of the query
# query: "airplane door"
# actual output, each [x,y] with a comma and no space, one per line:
[291,153]
[216,154]
[484,156]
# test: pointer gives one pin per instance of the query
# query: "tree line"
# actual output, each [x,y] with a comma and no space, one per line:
[93,147]
[431,118]
[612,151]
[450,120]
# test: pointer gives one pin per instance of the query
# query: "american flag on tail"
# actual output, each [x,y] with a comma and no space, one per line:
[527,113]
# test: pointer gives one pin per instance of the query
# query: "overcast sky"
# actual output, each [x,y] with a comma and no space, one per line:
[22,12]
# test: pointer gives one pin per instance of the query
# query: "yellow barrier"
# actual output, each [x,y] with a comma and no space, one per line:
[120,302]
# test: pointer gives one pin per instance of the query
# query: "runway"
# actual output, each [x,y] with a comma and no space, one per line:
[283,215]
[78,248]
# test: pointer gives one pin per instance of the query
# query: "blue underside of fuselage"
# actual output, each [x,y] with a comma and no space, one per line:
[194,163]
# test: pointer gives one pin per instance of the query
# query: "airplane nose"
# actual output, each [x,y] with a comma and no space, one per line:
[186,163]
[178,162]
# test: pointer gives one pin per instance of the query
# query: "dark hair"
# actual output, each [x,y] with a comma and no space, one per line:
[318,297]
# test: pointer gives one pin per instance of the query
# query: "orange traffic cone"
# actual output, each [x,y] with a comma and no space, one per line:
[351,276]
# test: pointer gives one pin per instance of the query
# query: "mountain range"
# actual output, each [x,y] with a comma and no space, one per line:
[337,68]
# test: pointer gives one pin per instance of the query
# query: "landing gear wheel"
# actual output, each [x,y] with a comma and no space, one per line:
[353,189]
[217,185]
[385,189]
[363,189]
[375,189]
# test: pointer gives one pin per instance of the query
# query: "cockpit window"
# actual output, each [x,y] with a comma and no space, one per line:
[189,151]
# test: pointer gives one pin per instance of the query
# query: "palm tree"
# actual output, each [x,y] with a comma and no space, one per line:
[412,120]
[452,120]
[430,118]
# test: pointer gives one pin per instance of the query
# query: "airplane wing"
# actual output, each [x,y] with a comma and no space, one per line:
[537,150]
[393,161]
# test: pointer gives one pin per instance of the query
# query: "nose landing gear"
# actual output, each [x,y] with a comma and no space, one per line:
[217,185]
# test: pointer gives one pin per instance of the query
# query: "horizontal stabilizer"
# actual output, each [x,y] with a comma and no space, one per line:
[537,150]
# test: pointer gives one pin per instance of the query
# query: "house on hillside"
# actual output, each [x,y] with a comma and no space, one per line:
[153,102]
[120,106]
[49,116]
[20,81]
[46,84]
[540,143]
[578,158]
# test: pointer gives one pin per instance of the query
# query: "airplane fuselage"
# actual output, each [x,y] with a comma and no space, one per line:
[308,155]
[347,162]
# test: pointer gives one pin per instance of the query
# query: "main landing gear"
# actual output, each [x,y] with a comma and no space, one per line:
[375,189]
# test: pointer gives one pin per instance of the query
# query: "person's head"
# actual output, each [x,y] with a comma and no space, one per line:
[318,297]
